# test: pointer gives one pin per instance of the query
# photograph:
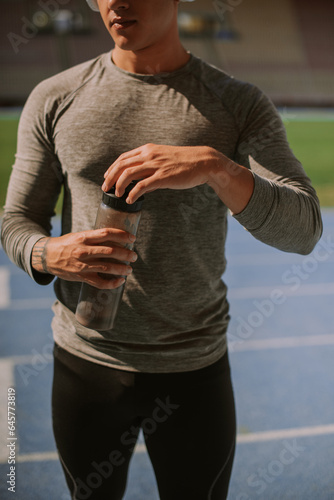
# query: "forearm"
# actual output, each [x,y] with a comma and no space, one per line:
[18,236]
[284,215]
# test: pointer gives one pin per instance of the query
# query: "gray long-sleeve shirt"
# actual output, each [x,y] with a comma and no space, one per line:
[174,312]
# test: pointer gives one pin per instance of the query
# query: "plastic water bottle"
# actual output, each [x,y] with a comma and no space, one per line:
[97,308]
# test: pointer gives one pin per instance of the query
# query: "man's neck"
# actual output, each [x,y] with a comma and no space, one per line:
[151,61]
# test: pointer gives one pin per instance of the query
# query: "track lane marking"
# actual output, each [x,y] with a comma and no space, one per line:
[4,287]
[303,290]
[252,437]
[281,343]
[297,432]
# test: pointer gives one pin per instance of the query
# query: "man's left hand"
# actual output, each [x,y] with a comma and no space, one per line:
[161,167]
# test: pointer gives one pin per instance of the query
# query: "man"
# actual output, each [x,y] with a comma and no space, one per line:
[199,143]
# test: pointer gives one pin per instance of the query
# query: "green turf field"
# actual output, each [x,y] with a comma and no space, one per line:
[311,141]
[313,144]
[8,130]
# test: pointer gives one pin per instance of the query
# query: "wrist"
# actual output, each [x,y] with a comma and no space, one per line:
[39,256]
[233,183]
[220,171]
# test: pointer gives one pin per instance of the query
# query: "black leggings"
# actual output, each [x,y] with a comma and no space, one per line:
[187,419]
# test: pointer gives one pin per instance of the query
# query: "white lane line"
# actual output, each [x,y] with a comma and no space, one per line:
[35,304]
[280,343]
[53,455]
[297,432]
[237,345]
[140,448]
[242,345]
[253,437]
[24,359]
[302,290]
[4,287]
[38,457]
[7,381]
[267,259]
[315,115]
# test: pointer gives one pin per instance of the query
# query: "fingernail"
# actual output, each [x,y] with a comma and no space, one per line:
[128,201]
[133,257]
[132,237]
[104,186]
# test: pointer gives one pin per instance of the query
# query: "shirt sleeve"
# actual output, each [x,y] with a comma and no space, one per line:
[34,186]
[284,210]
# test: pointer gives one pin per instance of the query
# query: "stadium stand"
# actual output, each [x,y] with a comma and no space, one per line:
[286,47]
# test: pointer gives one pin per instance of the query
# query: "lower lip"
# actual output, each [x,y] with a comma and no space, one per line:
[123,26]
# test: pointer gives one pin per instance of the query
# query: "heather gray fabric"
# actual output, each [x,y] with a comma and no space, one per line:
[174,314]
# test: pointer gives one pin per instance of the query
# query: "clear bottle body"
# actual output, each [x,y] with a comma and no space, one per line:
[97,308]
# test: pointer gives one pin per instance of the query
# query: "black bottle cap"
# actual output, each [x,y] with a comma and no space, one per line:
[109,198]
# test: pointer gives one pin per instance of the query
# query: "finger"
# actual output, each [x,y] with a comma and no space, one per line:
[129,154]
[104,284]
[122,176]
[109,252]
[113,268]
[147,185]
[105,235]
[137,173]
[124,160]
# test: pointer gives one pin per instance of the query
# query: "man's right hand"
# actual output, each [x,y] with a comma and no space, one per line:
[81,256]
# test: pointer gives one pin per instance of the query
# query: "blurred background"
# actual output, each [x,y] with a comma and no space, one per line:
[285,47]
